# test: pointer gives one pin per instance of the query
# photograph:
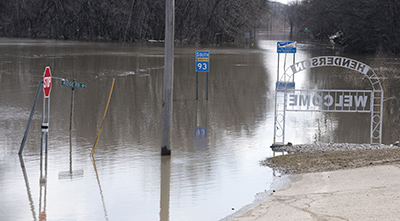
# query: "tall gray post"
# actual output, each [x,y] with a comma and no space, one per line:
[168,77]
[72,109]
[70,120]
[30,118]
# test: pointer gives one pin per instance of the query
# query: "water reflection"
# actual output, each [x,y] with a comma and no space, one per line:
[42,187]
[28,189]
[200,129]
[71,174]
[165,187]
[101,191]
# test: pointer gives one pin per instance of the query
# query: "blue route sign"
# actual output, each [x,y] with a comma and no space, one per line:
[202,61]
[281,85]
[287,47]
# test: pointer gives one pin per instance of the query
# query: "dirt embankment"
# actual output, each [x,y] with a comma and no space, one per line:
[308,162]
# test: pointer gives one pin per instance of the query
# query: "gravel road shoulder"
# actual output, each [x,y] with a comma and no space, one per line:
[309,158]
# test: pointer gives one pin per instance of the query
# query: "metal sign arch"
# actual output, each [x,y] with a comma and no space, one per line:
[334,61]
[376,97]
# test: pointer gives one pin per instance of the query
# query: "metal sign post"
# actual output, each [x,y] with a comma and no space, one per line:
[46,108]
[30,118]
[280,110]
[73,84]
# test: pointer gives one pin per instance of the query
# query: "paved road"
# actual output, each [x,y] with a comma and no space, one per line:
[369,193]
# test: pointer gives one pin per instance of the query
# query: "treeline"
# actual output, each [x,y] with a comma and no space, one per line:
[361,25]
[200,21]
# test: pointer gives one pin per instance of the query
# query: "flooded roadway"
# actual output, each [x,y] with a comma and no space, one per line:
[128,179]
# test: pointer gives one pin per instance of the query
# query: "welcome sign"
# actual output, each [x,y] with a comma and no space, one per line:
[329,100]
[287,98]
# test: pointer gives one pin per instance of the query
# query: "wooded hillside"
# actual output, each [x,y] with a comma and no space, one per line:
[200,21]
[362,25]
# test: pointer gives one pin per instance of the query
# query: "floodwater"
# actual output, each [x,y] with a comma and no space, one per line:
[216,144]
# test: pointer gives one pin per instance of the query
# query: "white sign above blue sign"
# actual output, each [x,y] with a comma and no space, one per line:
[202,61]
[286,47]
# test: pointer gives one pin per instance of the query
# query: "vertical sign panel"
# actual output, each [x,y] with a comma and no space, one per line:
[202,61]
[47,82]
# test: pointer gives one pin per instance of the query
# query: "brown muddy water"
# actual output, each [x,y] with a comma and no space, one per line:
[128,179]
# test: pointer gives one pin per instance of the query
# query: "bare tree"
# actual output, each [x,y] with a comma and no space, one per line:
[367,25]
[197,21]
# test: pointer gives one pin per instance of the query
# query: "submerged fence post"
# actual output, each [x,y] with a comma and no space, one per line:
[30,118]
